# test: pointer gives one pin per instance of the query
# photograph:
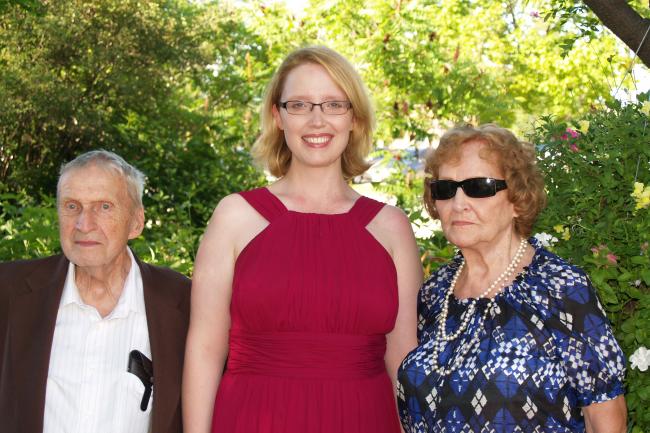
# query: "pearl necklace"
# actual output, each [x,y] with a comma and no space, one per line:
[441,335]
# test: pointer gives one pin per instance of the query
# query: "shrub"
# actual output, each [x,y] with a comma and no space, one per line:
[597,173]
[28,227]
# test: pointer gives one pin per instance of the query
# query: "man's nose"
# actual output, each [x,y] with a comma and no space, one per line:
[85,221]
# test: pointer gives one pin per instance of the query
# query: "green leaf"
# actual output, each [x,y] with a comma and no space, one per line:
[640,260]
[625,276]
[645,274]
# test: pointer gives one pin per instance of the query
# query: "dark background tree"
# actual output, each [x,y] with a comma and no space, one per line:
[626,23]
[133,77]
[128,76]
[28,5]
[629,20]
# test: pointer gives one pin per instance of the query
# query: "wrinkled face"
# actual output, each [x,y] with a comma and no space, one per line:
[474,222]
[315,139]
[96,217]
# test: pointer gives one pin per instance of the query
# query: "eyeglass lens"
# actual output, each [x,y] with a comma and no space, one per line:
[477,187]
[327,107]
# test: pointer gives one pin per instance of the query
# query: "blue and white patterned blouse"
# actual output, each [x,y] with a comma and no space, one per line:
[547,351]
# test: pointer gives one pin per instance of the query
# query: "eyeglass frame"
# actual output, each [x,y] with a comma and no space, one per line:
[499,185]
[313,104]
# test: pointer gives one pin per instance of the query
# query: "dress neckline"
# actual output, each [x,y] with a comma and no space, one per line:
[275,198]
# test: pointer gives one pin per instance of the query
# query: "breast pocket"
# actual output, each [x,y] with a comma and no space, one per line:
[136,419]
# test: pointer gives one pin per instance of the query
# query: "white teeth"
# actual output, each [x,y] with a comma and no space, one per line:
[316,140]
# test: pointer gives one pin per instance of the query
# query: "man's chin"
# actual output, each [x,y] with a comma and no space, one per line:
[86,260]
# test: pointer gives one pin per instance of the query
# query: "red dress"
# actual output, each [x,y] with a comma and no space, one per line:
[313,297]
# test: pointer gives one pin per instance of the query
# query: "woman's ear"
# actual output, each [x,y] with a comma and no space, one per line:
[276,117]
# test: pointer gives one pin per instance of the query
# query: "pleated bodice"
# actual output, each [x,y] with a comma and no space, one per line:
[313,298]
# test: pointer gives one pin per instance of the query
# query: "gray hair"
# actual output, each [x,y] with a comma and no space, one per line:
[105,159]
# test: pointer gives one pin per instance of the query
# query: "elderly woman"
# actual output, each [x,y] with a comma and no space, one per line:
[512,337]
[307,287]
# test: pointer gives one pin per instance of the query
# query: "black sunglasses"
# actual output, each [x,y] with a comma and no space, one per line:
[476,187]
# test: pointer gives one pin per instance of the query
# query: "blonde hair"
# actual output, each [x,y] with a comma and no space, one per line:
[515,159]
[270,149]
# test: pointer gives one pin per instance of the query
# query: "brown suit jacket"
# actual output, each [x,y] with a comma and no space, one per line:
[30,292]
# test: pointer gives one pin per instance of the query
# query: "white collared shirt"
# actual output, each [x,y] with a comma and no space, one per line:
[88,386]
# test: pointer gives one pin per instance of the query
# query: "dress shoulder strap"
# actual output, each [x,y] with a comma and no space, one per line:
[365,209]
[265,203]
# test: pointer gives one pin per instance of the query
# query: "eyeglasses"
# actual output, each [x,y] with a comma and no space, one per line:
[476,187]
[327,107]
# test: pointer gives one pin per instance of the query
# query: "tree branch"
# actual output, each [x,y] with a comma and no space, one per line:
[625,23]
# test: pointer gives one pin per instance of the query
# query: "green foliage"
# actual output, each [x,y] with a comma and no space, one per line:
[601,219]
[578,22]
[431,63]
[128,76]
[406,187]
[174,87]
[33,6]
[74,75]
[27,228]
[591,172]
[136,78]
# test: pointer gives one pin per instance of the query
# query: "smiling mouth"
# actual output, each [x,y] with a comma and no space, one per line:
[461,223]
[317,141]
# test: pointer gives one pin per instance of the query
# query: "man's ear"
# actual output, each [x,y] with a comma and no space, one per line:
[137,223]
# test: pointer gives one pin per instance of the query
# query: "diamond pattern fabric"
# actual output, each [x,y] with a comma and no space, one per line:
[545,351]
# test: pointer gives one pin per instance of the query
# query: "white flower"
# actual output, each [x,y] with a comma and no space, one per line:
[425,229]
[640,358]
[545,239]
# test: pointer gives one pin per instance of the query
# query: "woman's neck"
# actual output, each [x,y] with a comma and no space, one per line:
[485,265]
[314,190]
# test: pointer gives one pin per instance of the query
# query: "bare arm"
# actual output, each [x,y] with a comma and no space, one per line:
[393,229]
[606,417]
[207,339]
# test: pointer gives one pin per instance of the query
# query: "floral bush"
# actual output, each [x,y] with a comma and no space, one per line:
[597,173]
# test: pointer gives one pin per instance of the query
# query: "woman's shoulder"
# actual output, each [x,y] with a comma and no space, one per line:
[234,213]
[554,276]
[552,281]
[390,226]
[233,224]
[390,218]
[232,205]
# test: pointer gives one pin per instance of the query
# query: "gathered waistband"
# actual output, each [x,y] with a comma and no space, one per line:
[306,355]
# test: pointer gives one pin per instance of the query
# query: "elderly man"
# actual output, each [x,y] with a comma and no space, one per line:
[93,340]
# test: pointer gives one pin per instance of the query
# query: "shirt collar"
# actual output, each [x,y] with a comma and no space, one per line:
[131,299]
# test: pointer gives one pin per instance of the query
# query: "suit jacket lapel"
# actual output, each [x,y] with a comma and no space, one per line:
[32,319]
[167,329]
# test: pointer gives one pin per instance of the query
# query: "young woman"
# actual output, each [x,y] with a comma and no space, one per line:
[308,289]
